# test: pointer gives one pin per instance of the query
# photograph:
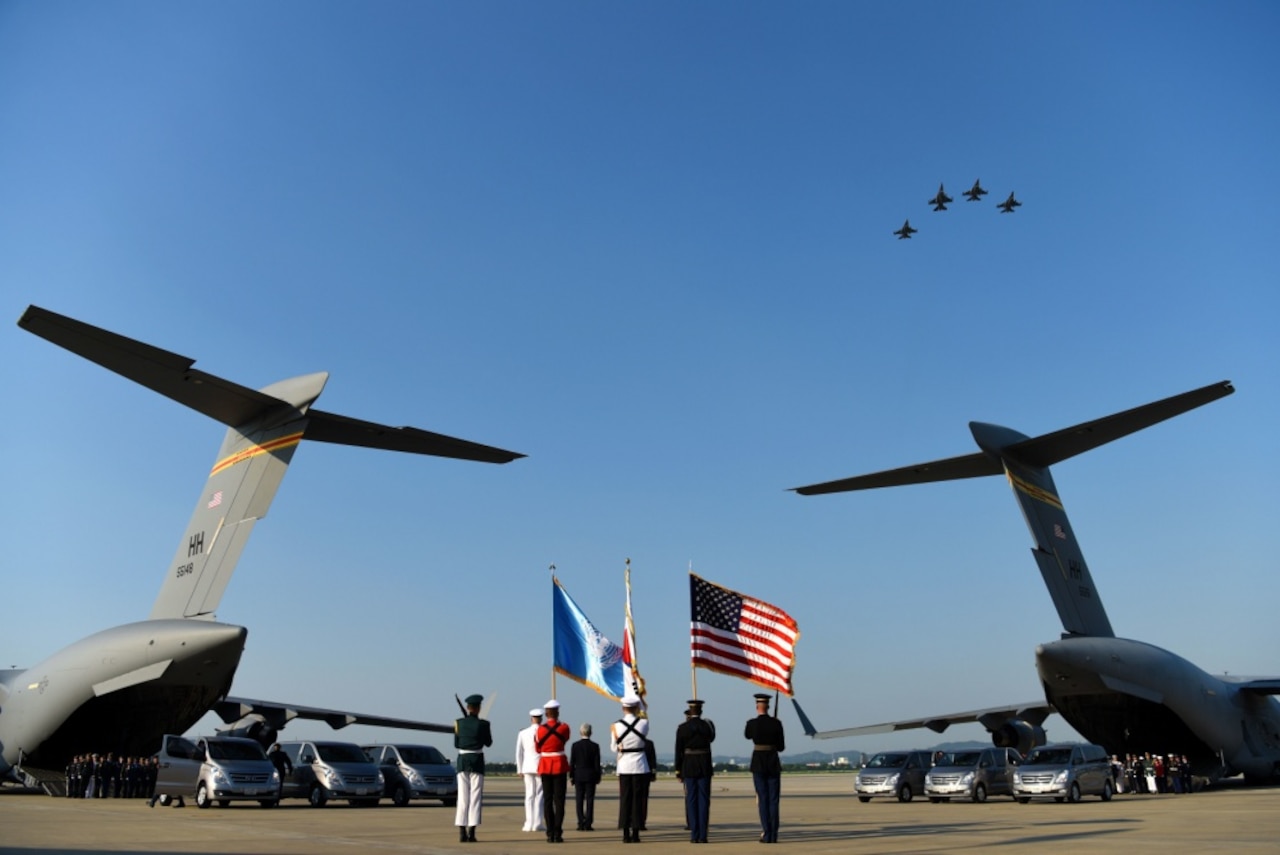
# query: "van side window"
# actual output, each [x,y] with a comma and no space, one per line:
[181,748]
[291,751]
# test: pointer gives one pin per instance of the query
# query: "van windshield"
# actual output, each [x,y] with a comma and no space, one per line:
[1049,757]
[887,761]
[235,751]
[338,752]
[963,758]
[421,755]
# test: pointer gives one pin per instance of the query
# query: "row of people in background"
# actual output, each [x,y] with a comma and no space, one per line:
[103,776]
[1152,773]
[548,764]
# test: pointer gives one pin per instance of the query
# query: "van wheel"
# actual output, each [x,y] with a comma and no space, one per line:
[400,795]
[202,796]
[1106,791]
[864,799]
[1073,795]
[979,792]
[904,793]
[164,800]
[318,796]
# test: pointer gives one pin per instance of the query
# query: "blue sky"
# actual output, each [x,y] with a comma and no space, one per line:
[649,245]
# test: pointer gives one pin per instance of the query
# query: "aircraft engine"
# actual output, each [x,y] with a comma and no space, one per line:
[255,727]
[1019,734]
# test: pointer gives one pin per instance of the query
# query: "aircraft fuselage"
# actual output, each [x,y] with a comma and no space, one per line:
[1134,697]
[118,690]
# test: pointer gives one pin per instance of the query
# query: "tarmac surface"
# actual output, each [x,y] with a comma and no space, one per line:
[819,815]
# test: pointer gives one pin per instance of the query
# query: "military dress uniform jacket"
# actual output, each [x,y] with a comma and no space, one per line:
[471,736]
[766,732]
[693,748]
[551,740]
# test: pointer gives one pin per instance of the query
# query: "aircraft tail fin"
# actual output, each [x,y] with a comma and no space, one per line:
[1025,461]
[265,428]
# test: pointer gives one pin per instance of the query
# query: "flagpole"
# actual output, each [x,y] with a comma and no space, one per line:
[552,568]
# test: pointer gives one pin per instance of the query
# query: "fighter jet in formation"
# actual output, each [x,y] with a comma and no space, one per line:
[974,192]
[1007,206]
[940,201]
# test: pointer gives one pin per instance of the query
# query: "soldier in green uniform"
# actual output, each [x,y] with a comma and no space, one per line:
[471,737]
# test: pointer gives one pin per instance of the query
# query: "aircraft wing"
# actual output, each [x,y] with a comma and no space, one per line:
[232,710]
[1259,686]
[991,718]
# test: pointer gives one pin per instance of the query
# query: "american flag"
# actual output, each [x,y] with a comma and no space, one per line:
[738,635]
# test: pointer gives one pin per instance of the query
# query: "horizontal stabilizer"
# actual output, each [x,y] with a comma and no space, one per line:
[231,404]
[232,710]
[1041,451]
[327,427]
[1055,447]
[952,469]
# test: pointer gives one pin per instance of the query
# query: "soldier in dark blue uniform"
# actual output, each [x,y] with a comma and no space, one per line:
[766,767]
[471,736]
[694,768]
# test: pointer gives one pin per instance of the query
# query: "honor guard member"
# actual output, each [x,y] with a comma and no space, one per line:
[527,766]
[693,767]
[553,766]
[766,767]
[627,740]
[471,737]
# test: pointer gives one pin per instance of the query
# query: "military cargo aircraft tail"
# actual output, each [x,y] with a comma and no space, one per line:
[265,428]
[1025,462]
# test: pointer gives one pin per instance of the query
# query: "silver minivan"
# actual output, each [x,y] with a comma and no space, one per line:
[973,775]
[218,769]
[414,772]
[1064,773]
[892,773]
[331,770]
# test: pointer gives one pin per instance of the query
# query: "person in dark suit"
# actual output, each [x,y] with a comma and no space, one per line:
[765,732]
[694,768]
[584,774]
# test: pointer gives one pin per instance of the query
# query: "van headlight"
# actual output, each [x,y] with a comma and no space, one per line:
[332,779]
[967,779]
[219,776]
[413,777]
[382,779]
[893,779]
[1061,777]
[275,776]
[1017,777]
[928,780]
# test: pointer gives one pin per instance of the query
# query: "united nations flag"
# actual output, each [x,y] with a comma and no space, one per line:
[582,652]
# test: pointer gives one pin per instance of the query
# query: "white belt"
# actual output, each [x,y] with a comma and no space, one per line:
[552,754]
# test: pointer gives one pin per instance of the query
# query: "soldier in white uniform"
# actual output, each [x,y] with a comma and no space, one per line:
[627,738]
[527,766]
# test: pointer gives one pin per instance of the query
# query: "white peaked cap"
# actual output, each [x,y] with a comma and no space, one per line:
[552,704]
